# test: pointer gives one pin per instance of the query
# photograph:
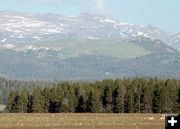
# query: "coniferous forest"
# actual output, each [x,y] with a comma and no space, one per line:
[107,96]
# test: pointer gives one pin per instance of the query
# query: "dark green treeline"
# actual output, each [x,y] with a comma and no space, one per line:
[117,96]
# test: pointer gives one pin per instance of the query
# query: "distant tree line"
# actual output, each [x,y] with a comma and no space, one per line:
[107,96]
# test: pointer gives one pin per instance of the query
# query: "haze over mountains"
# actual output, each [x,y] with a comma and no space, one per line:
[49,46]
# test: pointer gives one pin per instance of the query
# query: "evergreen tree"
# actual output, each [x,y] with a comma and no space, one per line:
[168,97]
[156,98]
[65,103]
[130,103]
[47,97]
[147,97]
[137,95]
[38,101]
[119,97]
[30,104]
[17,103]
[81,105]
[55,99]
[23,101]
[72,101]
[10,102]
[93,101]
[107,98]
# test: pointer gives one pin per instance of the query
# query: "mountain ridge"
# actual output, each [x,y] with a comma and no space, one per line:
[85,47]
[19,27]
[138,58]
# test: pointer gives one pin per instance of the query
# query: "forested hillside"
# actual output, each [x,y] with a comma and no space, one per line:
[90,60]
[137,95]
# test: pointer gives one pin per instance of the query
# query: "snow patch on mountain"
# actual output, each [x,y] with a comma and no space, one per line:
[32,47]
[12,36]
[20,36]
[140,33]
[8,46]
[169,50]
[36,37]
[109,20]
[3,40]
[93,38]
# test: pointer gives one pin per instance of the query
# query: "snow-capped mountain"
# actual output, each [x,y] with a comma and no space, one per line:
[16,27]
[49,46]
[175,41]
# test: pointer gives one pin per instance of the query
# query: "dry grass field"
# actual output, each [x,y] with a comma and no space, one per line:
[81,121]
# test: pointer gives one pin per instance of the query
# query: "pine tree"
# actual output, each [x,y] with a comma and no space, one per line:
[47,97]
[81,105]
[17,103]
[93,105]
[55,99]
[23,101]
[147,97]
[10,102]
[72,101]
[130,103]
[117,101]
[30,104]
[119,97]
[137,95]
[38,101]
[107,99]
[65,103]
[168,97]
[156,98]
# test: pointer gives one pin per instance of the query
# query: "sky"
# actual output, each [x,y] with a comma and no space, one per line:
[164,14]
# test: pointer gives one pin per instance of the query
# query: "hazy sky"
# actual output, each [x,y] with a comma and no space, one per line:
[164,14]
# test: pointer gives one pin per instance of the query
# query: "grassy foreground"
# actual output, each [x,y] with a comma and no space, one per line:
[81,121]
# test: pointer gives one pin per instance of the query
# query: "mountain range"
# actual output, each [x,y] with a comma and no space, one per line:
[17,27]
[51,46]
